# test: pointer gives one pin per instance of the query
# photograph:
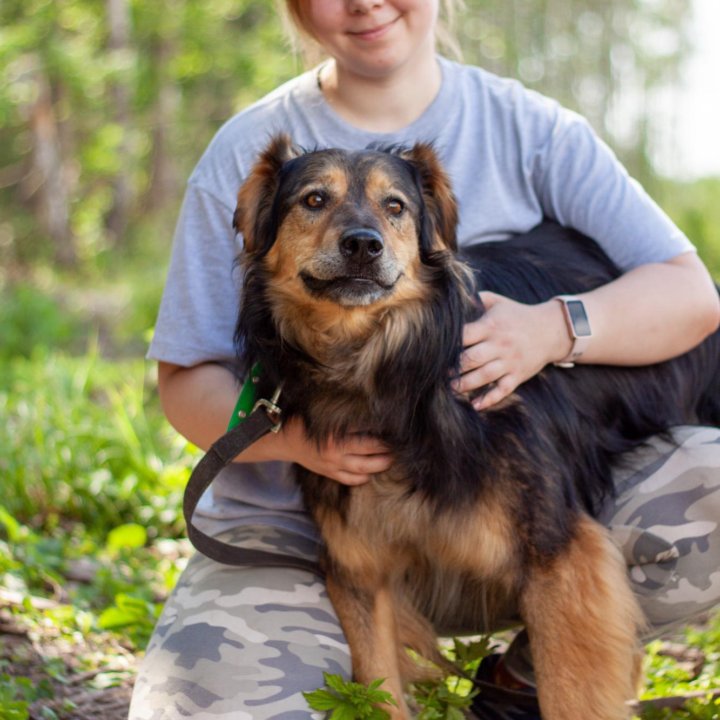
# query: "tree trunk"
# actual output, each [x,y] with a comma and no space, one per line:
[116,222]
[164,184]
[49,174]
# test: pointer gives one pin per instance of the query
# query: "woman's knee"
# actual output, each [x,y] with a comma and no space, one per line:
[666,519]
[239,643]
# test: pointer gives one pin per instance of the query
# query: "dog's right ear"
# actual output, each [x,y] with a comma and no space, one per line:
[253,214]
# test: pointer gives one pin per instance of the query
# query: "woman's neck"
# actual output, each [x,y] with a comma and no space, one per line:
[382,104]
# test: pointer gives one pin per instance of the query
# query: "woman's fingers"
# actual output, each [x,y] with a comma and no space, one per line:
[352,460]
[358,469]
[502,388]
[479,377]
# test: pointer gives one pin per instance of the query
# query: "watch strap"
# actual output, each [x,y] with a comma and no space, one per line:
[580,341]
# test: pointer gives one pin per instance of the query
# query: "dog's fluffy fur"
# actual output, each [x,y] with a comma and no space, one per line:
[355,300]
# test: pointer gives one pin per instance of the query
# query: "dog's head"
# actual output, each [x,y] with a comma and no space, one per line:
[352,229]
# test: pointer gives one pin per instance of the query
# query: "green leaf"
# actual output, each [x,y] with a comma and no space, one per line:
[10,707]
[454,713]
[345,712]
[379,714]
[130,536]
[127,611]
[348,700]
[14,710]
[337,683]
[467,655]
[321,700]
[113,618]
[12,527]
[47,713]
[380,696]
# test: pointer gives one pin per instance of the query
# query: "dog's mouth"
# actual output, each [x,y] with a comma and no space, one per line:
[351,289]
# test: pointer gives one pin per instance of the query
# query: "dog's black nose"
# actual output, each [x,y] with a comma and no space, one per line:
[363,245]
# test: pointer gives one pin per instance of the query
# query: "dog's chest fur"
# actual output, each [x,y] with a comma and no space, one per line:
[385,519]
[401,394]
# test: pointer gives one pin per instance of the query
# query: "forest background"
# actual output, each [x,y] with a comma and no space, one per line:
[105,106]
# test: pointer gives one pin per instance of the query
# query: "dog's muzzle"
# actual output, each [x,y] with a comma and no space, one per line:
[361,246]
[358,272]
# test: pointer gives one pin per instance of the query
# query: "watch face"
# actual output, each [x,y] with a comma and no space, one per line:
[579,318]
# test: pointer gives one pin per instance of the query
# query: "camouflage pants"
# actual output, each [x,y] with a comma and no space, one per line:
[243,643]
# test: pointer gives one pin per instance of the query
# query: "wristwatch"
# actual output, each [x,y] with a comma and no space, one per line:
[578,326]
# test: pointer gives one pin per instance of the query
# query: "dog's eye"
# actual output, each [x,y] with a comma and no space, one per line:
[315,200]
[394,206]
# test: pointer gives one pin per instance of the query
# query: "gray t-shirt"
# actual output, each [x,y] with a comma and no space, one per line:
[513,156]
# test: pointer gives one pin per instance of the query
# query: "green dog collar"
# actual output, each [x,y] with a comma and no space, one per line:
[246,401]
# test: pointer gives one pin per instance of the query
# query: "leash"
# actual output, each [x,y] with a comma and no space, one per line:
[244,429]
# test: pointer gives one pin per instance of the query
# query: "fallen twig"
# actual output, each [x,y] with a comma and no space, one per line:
[11,597]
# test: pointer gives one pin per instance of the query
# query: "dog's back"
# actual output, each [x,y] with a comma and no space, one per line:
[613,408]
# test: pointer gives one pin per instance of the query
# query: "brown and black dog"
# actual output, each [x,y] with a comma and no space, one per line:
[355,300]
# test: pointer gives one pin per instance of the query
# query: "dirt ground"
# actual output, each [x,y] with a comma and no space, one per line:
[75,677]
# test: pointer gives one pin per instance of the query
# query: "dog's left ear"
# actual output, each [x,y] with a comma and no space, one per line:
[253,214]
[440,219]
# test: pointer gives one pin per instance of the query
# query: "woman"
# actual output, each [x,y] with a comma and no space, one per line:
[244,643]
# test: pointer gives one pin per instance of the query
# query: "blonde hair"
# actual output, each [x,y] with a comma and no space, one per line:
[299,32]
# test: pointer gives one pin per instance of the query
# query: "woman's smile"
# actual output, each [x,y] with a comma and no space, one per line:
[376,32]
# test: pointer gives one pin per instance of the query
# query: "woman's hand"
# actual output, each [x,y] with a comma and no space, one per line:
[509,344]
[647,315]
[351,461]
[198,400]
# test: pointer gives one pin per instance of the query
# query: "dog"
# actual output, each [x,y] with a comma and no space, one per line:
[354,300]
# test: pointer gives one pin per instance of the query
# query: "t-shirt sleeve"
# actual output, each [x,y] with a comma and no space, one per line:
[196,320]
[582,184]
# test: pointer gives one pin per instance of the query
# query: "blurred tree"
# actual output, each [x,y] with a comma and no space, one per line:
[45,183]
[51,72]
[105,106]
[118,47]
[695,206]
[607,59]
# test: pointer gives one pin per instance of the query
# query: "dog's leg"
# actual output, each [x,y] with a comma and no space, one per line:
[417,633]
[583,622]
[368,620]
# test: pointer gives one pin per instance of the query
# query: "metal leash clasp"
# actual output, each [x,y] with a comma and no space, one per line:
[272,409]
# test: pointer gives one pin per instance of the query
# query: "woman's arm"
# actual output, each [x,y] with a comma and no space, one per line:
[649,314]
[199,400]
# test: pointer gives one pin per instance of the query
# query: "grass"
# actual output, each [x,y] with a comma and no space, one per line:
[83,443]
[695,672]
[91,532]
[92,480]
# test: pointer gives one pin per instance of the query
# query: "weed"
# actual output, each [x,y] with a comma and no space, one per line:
[16,694]
[31,319]
[82,444]
[346,700]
